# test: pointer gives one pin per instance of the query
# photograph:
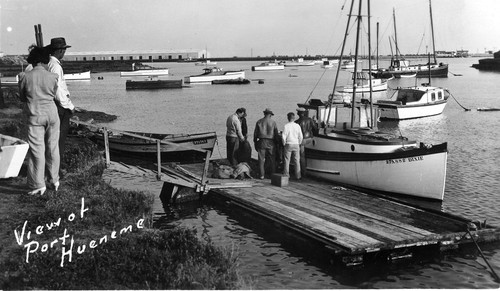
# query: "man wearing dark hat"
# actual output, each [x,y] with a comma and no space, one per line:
[233,136]
[264,136]
[57,49]
[309,128]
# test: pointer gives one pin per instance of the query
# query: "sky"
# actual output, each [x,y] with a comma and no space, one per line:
[248,28]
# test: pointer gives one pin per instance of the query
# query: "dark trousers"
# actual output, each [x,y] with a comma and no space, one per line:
[232,145]
[265,150]
[64,116]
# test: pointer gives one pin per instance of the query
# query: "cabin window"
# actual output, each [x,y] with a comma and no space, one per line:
[84,58]
[433,96]
[121,58]
[440,95]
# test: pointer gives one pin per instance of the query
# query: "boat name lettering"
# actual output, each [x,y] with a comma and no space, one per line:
[201,141]
[404,160]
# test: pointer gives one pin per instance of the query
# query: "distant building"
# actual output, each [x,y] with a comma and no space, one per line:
[181,54]
[445,54]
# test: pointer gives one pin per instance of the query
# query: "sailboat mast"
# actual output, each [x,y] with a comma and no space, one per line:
[340,62]
[370,63]
[432,31]
[395,33]
[356,55]
[377,43]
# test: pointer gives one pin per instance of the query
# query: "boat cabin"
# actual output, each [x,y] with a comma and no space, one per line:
[338,115]
[416,94]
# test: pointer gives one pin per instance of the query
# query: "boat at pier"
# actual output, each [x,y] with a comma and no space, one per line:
[299,63]
[360,156]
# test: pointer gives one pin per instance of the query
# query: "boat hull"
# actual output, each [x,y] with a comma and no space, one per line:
[228,75]
[12,154]
[268,68]
[437,71]
[153,84]
[184,148]
[157,72]
[400,112]
[407,171]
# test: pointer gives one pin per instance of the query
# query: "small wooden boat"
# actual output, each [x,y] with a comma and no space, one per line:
[141,72]
[299,63]
[214,73]
[153,83]
[177,147]
[413,102]
[12,154]
[77,76]
[238,81]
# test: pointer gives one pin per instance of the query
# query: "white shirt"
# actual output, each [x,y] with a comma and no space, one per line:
[292,134]
[62,94]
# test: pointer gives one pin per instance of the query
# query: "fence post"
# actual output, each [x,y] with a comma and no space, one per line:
[106,146]
[158,152]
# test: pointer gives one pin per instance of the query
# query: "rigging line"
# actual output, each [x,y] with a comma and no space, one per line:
[420,45]
[466,109]
[314,88]
[482,255]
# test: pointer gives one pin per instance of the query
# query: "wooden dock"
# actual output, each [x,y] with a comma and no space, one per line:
[353,224]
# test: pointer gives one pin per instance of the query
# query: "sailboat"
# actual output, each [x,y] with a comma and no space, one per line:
[359,156]
[402,68]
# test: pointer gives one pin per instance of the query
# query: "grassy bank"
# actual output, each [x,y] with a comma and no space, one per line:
[89,235]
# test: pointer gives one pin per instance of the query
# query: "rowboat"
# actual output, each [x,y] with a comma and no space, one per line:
[174,147]
[214,73]
[413,102]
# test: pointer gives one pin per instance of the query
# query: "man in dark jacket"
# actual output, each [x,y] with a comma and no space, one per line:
[309,128]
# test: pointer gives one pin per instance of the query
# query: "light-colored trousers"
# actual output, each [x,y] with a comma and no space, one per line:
[292,150]
[43,139]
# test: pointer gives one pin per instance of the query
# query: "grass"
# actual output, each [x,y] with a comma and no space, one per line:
[138,258]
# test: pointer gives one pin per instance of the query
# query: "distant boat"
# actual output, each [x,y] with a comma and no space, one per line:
[299,63]
[413,102]
[205,63]
[363,84]
[145,72]
[214,73]
[238,81]
[77,76]
[269,66]
[348,64]
[153,83]
[12,154]
[328,64]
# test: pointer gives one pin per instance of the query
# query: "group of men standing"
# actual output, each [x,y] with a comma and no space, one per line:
[268,141]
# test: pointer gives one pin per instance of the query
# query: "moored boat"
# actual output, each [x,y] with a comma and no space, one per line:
[269,66]
[12,154]
[363,82]
[205,63]
[328,64]
[178,147]
[214,73]
[153,83]
[145,72]
[77,76]
[413,102]
[299,63]
[357,155]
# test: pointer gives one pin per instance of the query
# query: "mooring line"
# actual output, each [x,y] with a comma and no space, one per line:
[466,109]
[482,255]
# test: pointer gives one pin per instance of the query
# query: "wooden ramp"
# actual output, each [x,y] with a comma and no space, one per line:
[354,223]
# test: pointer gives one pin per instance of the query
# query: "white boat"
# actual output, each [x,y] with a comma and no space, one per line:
[348,64]
[355,154]
[215,73]
[12,154]
[363,81]
[269,66]
[413,102]
[145,72]
[299,63]
[205,63]
[77,76]
[328,64]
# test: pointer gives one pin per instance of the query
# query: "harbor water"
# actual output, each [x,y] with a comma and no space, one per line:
[272,257]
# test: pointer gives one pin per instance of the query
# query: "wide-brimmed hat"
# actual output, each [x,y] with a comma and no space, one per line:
[268,111]
[301,109]
[58,43]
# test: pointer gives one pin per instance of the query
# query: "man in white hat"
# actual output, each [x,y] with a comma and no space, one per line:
[57,49]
